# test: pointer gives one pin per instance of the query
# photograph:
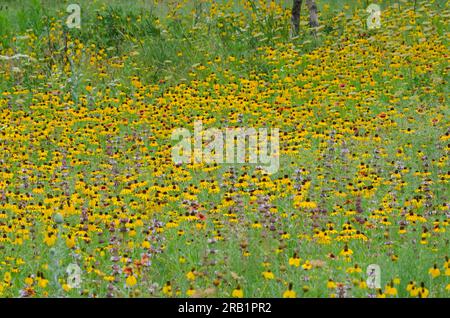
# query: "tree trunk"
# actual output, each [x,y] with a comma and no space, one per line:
[295,18]
[313,18]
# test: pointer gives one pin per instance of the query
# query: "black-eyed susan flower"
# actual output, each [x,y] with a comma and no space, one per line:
[191,274]
[307,265]
[294,260]
[167,289]
[346,251]
[380,293]
[390,290]
[354,158]
[190,292]
[268,274]
[29,280]
[434,271]
[422,291]
[237,292]
[131,281]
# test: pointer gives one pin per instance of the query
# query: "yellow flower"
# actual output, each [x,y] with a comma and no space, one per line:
[423,292]
[237,293]
[108,278]
[331,284]
[70,241]
[414,292]
[29,281]
[307,265]
[380,293]
[66,287]
[190,291]
[146,244]
[289,294]
[43,283]
[363,284]
[190,275]
[390,290]
[50,240]
[131,281]
[167,289]
[434,271]
[268,275]
[410,286]
[346,251]
[294,261]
